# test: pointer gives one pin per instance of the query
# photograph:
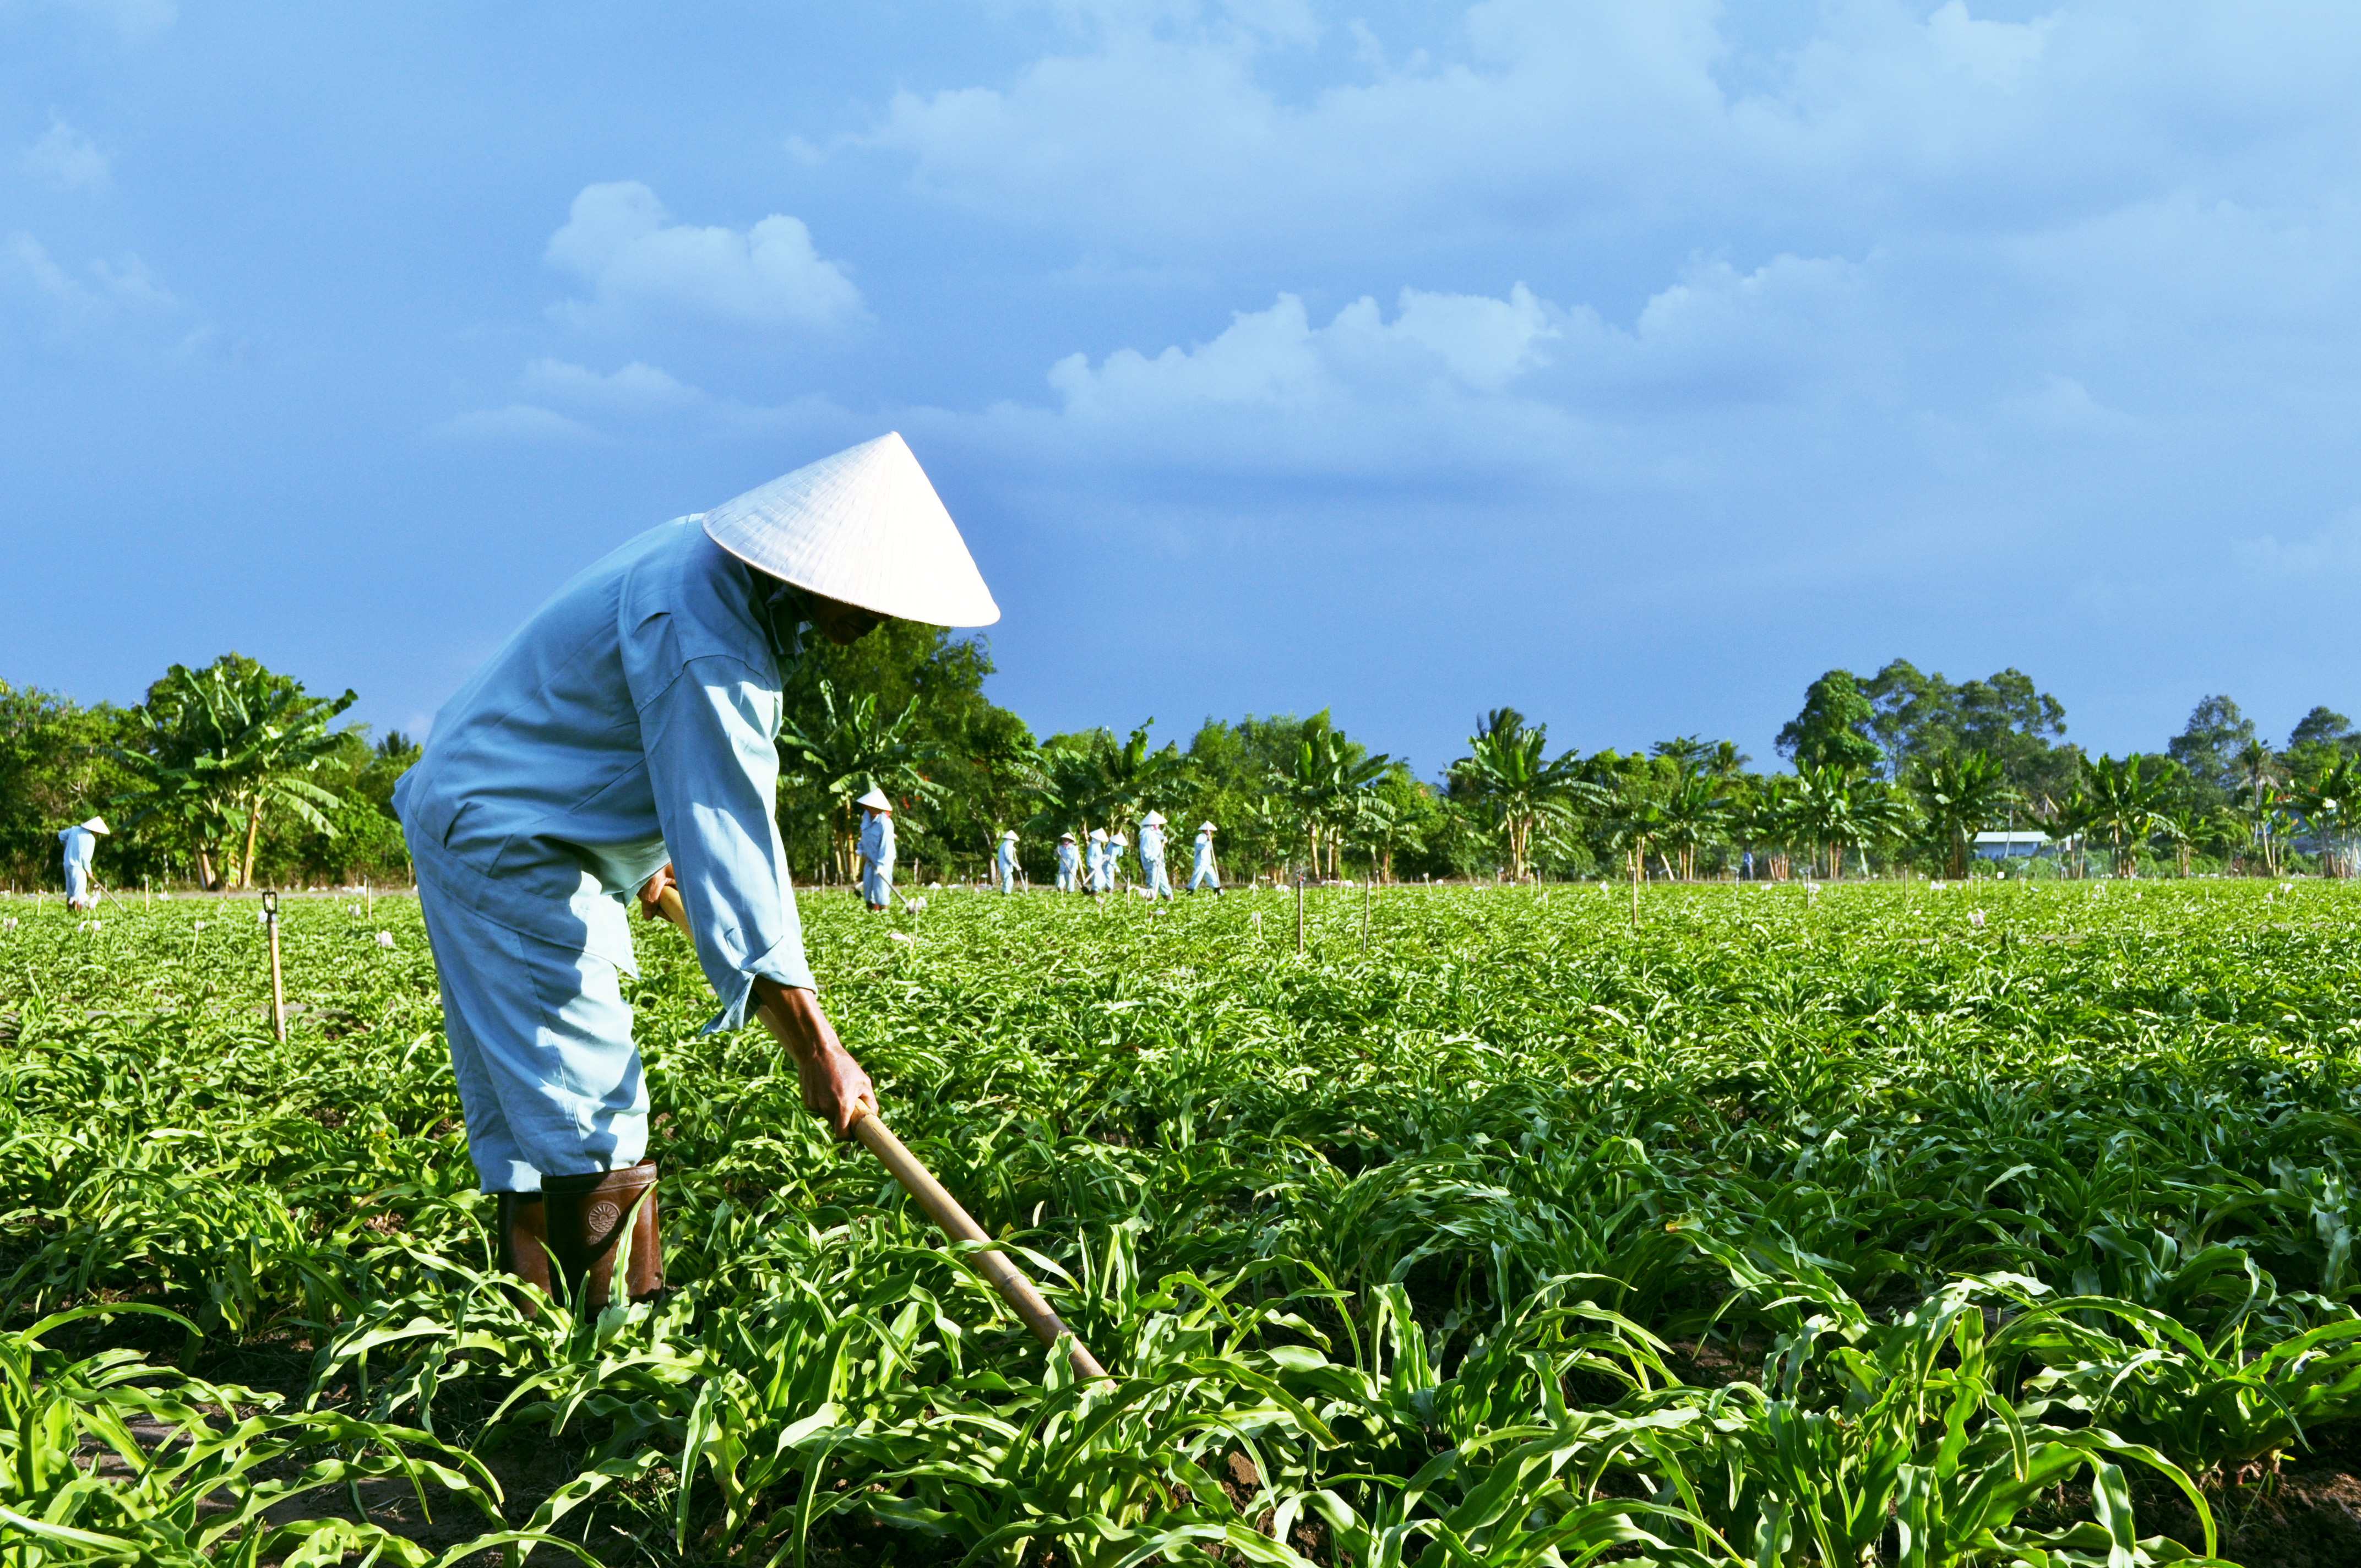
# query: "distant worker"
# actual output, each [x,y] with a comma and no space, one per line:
[1200,867]
[1070,862]
[1112,863]
[621,743]
[1152,874]
[1095,877]
[877,849]
[80,846]
[1005,860]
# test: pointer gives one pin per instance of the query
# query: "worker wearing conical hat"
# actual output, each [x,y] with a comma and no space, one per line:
[622,742]
[1004,860]
[1201,866]
[876,848]
[78,847]
[1069,861]
[1099,879]
[1152,874]
[1111,860]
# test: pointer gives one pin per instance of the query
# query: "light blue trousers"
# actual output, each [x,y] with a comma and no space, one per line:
[877,887]
[1066,883]
[1008,879]
[541,1043]
[77,884]
[1203,877]
[1153,876]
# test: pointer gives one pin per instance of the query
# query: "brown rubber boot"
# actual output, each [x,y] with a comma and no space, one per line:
[522,1237]
[585,1216]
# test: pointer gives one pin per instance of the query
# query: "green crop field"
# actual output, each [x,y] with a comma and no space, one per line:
[1906,1224]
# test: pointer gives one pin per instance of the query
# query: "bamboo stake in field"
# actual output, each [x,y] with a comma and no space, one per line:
[1299,915]
[278,988]
[1002,1274]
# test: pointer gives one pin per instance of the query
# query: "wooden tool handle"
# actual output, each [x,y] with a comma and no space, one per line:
[997,1269]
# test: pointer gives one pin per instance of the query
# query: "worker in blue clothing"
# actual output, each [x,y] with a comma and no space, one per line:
[1201,865]
[622,743]
[1004,862]
[1152,874]
[1102,877]
[876,848]
[1069,863]
[78,849]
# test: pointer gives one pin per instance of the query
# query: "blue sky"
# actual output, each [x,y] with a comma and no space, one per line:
[1629,363]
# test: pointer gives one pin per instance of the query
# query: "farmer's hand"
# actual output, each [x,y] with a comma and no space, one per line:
[653,891]
[834,1086]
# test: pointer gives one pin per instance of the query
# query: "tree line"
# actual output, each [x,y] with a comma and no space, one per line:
[231,776]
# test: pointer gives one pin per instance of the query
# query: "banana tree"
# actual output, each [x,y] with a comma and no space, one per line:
[2126,801]
[1507,772]
[1838,809]
[1325,781]
[222,746]
[1694,811]
[2326,803]
[851,752]
[1959,797]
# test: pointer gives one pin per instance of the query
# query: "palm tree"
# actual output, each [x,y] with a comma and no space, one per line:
[1505,771]
[222,746]
[2124,801]
[852,752]
[1959,796]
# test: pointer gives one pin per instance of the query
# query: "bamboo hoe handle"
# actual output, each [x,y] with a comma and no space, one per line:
[1002,1274]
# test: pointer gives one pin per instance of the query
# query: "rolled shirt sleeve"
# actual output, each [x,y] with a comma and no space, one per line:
[714,772]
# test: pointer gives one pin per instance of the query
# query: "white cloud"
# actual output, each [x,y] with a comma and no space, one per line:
[640,265]
[517,422]
[131,21]
[1277,358]
[1595,117]
[636,389]
[65,159]
[102,292]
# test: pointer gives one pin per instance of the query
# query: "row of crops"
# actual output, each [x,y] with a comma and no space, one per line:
[1902,1224]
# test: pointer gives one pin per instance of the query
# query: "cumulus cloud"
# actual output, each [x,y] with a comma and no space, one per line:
[65,159]
[101,292]
[640,265]
[1554,118]
[517,422]
[636,389]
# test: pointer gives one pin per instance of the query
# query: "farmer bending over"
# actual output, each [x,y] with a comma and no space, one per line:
[626,732]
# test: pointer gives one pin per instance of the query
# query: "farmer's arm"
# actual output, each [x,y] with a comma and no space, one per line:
[715,774]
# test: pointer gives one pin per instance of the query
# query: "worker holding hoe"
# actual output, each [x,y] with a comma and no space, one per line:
[1200,867]
[1005,861]
[876,848]
[79,850]
[1069,861]
[1152,874]
[621,744]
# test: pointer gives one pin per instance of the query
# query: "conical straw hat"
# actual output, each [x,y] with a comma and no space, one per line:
[866,527]
[1153,820]
[1204,828]
[876,800]
[1010,834]
[96,824]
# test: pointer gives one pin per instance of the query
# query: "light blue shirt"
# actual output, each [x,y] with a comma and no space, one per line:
[1151,844]
[630,721]
[80,846]
[1008,856]
[877,840]
[1070,858]
[1204,854]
